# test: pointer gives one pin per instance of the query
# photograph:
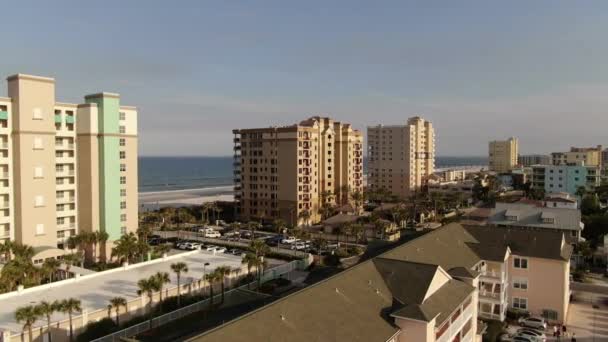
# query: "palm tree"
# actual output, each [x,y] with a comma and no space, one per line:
[279,225]
[147,286]
[357,197]
[357,230]
[259,247]
[100,237]
[28,315]
[70,260]
[581,191]
[48,309]
[249,259]
[22,251]
[161,279]
[211,279]
[305,215]
[6,249]
[116,303]
[260,264]
[179,268]
[125,249]
[253,226]
[223,272]
[70,306]
[50,267]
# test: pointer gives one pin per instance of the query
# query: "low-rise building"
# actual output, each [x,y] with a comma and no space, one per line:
[452,175]
[531,216]
[564,178]
[534,159]
[433,288]
[588,156]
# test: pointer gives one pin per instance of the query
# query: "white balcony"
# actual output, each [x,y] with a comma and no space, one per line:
[5,219]
[457,325]
[66,199]
[65,186]
[66,213]
[492,275]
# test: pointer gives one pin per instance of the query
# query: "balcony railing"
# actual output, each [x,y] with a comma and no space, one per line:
[457,325]
[499,275]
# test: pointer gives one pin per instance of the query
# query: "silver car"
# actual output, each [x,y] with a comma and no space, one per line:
[533,322]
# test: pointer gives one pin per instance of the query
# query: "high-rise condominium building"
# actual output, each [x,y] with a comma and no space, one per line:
[503,155]
[588,156]
[401,157]
[65,168]
[286,172]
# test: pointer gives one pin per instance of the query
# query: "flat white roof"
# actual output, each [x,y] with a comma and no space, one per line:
[95,292]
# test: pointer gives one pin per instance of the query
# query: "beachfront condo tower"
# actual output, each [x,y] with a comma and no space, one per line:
[65,168]
[290,172]
[401,157]
[502,155]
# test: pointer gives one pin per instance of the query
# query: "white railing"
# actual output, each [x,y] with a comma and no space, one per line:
[493,274]
[196,307]
[457,325]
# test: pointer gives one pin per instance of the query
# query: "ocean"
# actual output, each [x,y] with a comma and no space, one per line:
[180,173]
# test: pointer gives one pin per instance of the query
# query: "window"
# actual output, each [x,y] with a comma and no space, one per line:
[40,229]
[520,283]
[123,192]
[123,217]
[37,143]
[520,303]
[123,180]
[123,205]
[123,167]
[121,129]
[123,154]
[39,201]
[520,263]
[122,142]
[37,114]
[123,230]
[121,116]
[38,172]
[549,314]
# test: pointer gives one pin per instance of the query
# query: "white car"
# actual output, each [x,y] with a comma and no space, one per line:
[193,246]
[298,245]
[220,250]
[518,338]
[212,234]
[210,248]
[540,337]
[289,240]
[533,322]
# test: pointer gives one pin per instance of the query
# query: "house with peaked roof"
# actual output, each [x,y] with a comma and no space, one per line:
[433,289]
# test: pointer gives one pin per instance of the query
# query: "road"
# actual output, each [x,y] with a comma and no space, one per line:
[586,287]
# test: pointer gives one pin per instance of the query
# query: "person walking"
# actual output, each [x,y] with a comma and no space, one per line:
[564,330]
[555,331]
[573,339]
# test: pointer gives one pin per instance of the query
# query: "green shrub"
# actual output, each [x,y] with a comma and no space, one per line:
[495,329]
[98,329]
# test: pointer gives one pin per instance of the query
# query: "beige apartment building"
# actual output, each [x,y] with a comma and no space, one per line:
[586,156]
[503,155]
[287,172]
[432,289]
[401,157]
[65,167]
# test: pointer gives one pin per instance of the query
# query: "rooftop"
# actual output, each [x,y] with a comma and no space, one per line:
[529,215]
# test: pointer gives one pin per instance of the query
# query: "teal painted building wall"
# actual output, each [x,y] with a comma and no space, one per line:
[109,164]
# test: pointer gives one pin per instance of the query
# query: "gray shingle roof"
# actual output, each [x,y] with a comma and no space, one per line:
[531,216]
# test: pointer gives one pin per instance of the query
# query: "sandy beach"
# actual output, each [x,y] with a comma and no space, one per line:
[182,198]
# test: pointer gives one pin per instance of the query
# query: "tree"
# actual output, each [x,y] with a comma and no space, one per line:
[47,309]
[357,197]
[279,225]
[590,205]
[249,259]
[28,315]
[259,247]
[357,230]
[161,278]
[6,249]
[125,248]
[101,237]
[50,268]
[223,272]
[22,251]
[147,286]
[116,303]
[260,264]
[581,191]
[178,269]
[70,306]
[211,279]
[70,260]
[253,226]
[305,215]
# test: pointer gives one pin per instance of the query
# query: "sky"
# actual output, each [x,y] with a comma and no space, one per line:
[479,70]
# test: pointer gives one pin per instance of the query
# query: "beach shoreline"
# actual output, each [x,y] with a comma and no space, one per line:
[182,198]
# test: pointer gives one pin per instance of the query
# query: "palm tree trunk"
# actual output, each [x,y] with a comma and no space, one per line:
[179,292]
[210,294]
[222,291]
[48,327]
[117,316]
[71,328]
[29,328]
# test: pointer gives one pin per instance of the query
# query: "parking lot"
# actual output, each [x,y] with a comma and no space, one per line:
[588,316]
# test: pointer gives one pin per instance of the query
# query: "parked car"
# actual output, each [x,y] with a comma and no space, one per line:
[298,245]
[533,322]
[289,240]
[154,241]
[220,249]
[518,338]
[213,234]
[541,337]
[210,248]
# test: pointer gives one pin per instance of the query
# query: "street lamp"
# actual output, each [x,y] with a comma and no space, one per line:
[204,268]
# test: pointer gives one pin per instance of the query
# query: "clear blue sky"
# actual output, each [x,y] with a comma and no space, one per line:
[479,70]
